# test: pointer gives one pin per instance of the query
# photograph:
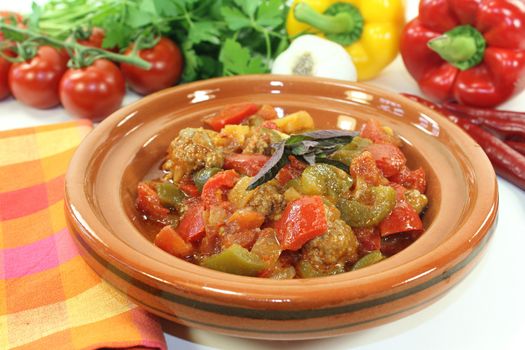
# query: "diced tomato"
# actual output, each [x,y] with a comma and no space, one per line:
[192,225]
[247,164]
[403,218]
[170,241]
[244,238]
[368,237]
[215,188]
[411,179]
[364,166]
[373,130]
[210,244]
[267,112]
[246,219]
[187,186]
[148,202]
[290,171]
[389,158]
[234,114]
[301,221]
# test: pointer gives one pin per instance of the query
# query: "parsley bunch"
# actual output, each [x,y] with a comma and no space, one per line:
[217,37]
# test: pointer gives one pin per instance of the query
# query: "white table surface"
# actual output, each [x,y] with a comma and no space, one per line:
[485,311]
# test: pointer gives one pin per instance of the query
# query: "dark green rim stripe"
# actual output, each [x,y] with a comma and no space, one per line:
[283,315]
[301,331]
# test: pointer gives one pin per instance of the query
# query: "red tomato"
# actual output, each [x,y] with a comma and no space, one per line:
[246,164]
[389,158]
[166,70]
[411,179]
[374,131]
[4,82]
[403,218]
[302,220]
[291,170]
[234,114]
[365,167]
[93,92]
[215,188]
[191,226]
[368,237]
[8,14]
[148,203]
[95,39]
[36,81]
[393,244]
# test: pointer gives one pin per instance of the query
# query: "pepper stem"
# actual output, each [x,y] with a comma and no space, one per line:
[463,47]
[341,22]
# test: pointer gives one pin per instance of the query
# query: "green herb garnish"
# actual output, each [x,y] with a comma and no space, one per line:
[311,147]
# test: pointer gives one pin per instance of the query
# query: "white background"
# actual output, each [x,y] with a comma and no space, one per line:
[485,311]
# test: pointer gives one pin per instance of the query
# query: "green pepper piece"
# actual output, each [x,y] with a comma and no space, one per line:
[237,260]
[369,259]
[170,195]
[351,150]
[358,214]
[202,176]
[417,200]
[307,270]
[324,179]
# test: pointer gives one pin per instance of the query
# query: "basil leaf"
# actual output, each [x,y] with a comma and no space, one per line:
[330,134]
[295,139]
[309,158]
[304,147]
[278,160]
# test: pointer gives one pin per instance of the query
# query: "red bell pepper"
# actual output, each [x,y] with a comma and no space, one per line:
[469,51]
[148,203]
[170,241]
[389,158]
[301,221]
[215,188]
[187,186]
[233,114]
[247,164]
[403,217]
[192,226]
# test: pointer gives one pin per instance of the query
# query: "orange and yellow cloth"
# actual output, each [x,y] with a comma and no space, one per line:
[49,297]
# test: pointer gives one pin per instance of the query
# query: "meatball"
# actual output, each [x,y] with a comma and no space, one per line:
[267,199]
[329,253]
[192,150]
[259,141]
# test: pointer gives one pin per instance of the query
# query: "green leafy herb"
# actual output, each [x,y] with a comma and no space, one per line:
[311,147]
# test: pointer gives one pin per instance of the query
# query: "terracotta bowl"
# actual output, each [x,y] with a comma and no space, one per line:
[128,146]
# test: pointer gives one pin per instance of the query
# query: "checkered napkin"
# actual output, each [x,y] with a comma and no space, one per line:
[49,297]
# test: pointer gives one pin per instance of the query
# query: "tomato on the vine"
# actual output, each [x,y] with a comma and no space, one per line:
[8,15]
[95,39]
[92,92]
[35,81]
[4,71]
[166,70]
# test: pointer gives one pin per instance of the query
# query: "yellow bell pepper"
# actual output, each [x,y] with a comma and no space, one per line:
[369,30]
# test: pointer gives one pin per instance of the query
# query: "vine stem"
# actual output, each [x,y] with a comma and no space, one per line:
[73,46]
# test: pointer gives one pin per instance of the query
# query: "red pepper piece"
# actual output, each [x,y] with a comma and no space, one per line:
[403,218]
[234,114]
[364,166]
[411,179]
[192,226]
[389,158]
[247,164]
[148,203]
[301,221]
[374,131]
[170,241]
[391,245]
[469,51]
[292,170]
[215,188]
[187,186]
[369,239]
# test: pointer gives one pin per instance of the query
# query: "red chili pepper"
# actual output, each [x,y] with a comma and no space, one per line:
[233,114]
[302,220]
[507,162]
[506,116]
[469,51]
[517,145]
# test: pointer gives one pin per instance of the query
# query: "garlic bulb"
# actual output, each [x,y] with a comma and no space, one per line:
[314,56]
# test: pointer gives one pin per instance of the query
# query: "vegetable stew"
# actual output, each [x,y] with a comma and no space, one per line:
[259,195]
